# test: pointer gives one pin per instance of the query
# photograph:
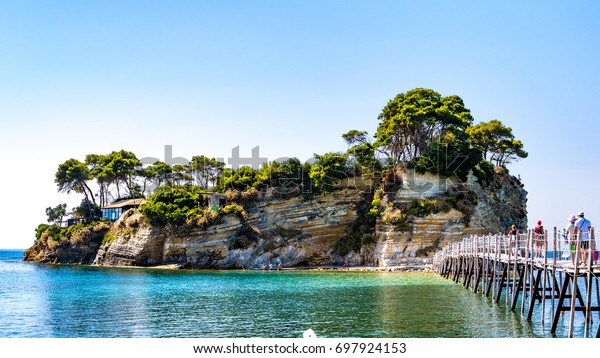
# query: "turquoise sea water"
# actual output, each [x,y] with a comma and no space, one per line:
[82,301]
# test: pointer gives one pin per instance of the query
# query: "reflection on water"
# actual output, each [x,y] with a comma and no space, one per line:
[81,301]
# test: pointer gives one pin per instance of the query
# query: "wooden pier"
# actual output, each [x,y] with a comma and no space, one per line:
[529,270]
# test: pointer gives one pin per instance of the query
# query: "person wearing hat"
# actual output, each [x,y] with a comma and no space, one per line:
[582,232]
[570,237]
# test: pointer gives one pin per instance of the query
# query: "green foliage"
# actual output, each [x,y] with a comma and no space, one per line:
[159,173]
[410,121]
[423,207]
[73,175]
[453,158]
[40,230]
[179,206]
[373,212]
[497,140]
[484,171]
[180,175]
[240,179]
[327,169]
[284,177]
[56,214]
[55,233]
[109,237]
[202,217]
[91,231]
[361,152]
[87,210]
[172,205]
[249,197]
[376,202]
[236,209]
[462,199]
[118,169]
[361,232]
[206,170]
[395,216]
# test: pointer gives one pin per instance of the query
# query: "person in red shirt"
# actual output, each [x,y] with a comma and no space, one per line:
[539,238]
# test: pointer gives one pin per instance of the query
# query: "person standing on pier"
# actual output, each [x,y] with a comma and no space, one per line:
[582,232]
[538,239]
[512,239]
[570,236]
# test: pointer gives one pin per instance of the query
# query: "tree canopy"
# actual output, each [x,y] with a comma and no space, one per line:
[424,130]
[73,175]
[412,120]
[419,129]
[496,140]
[56,214]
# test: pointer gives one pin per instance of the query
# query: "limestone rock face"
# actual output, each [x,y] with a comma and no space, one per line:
[295,232]
[498,206]
[299,231]
[79,248]
[416,246]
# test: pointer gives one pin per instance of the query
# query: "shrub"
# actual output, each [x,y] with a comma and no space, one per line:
[423,207]
[396,217]
[232,195]
[235,209]
[40,230]
[171,205]
[202,217]
[250,196]
[360,232]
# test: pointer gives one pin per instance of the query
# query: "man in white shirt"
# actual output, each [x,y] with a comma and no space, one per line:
[582,229]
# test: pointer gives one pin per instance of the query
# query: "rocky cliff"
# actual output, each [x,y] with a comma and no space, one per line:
[483,210]
[307,231]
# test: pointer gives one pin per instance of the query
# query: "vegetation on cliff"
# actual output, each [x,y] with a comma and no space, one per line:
[419,130]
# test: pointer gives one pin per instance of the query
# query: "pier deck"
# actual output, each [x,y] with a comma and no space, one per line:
[528,270]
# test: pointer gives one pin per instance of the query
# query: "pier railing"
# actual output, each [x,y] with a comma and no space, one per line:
[556,271]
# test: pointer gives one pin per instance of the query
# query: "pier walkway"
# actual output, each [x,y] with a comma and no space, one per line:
[528,270]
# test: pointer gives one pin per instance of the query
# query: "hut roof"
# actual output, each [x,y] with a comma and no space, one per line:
[124,203]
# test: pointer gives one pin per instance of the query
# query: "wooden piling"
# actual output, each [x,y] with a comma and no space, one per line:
[497,264]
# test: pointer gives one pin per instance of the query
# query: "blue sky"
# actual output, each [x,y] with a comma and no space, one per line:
[80,77]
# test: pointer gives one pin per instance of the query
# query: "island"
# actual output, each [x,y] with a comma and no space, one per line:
[426,178]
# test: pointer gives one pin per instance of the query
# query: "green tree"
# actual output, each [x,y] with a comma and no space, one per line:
[452,156]
[328,168]
[496,141]
[104,175]
[159,173]
[180,175]
[206,170]
[124,164]
[87,210]
[362,151]
[291,173]
[56,214]
[73,175]
[240,179]
[508,150]
[413,119]
[172,204]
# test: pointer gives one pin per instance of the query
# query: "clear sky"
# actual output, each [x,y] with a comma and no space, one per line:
[81,77]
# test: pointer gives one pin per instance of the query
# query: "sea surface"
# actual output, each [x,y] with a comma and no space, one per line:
[54,301]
